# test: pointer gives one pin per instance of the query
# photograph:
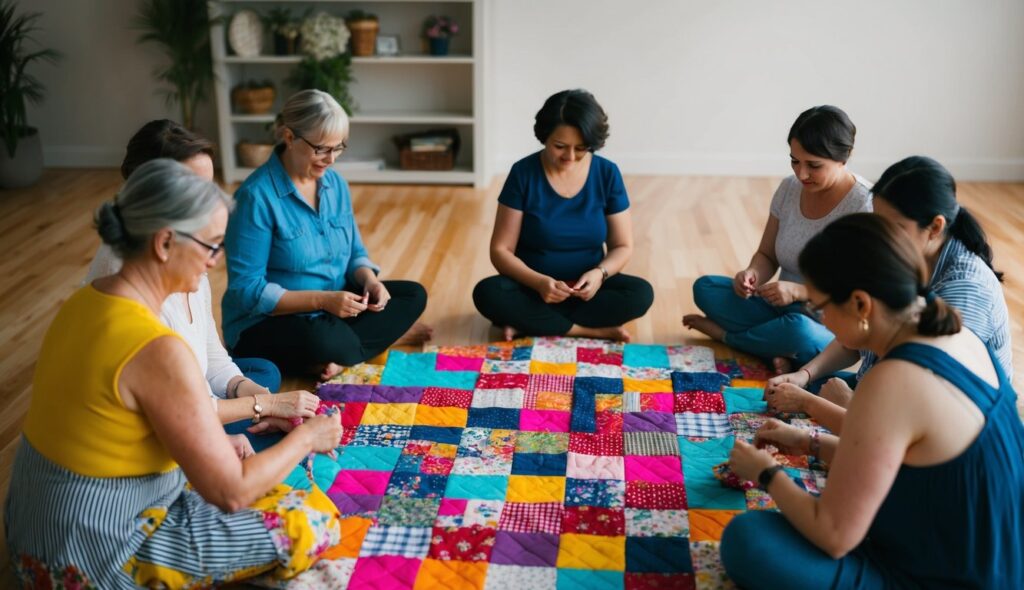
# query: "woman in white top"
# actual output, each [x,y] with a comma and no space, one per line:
[241,388]
[766,318]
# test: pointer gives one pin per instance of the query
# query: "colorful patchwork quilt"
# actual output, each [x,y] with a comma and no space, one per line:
[539,463]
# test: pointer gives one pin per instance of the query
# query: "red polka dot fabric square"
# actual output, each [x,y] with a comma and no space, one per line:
[598,356]
[596,444]
[442,397]
[699,402]
[657,496]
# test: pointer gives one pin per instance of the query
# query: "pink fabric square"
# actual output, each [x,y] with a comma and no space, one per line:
[385,572]
[654,469]
[452,507]
[579,466]
[360,482]
[598,356]
[657,402]
[544,421]
[458,363]
[443,397]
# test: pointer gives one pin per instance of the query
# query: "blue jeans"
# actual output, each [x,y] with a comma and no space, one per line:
[757,327]
[762,550]
[266,374]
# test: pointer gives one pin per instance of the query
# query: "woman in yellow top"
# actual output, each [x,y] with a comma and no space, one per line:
[98,494]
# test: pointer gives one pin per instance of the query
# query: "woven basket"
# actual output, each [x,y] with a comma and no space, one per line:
[253,155]
[410,160]
[253,101]
[364,37]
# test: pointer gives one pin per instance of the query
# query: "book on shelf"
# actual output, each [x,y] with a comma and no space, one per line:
[430,144]
[360,164]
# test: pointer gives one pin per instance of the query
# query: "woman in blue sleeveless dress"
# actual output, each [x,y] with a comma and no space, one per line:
[926,486]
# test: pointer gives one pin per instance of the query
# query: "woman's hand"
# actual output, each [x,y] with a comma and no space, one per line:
[588,284]
[748,461]
[271,424]
[243,448]
[788,398]
[745,282]
[344,304]
[325,432]
[553,291]
[799,378]
[782,293]
[378,295]
[790,440]
[294,404]
[837,391]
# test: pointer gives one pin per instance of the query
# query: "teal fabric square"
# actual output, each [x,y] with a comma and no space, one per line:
[703,491]
[645,355]
[325,471]
[419,370]
[573,579]
[477,487]
[744,399]
[369,458]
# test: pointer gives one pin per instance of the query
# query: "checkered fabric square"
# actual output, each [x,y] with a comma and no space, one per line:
[396,540]
[703,425]
[521,517]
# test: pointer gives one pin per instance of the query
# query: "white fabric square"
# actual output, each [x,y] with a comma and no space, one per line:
[598,370]
[517,577]
[644,522]
[498,398]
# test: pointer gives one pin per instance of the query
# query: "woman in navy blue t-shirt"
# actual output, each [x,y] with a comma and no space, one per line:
[563,234]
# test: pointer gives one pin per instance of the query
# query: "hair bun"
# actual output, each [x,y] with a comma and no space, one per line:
[110,226]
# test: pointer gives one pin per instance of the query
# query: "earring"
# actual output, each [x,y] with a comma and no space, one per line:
[863,325]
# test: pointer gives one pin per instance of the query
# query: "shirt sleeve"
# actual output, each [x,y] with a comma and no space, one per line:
[513,193]
[360,257]
[248,240]
[779,199]
[973,301]
[616,200]
[220,369]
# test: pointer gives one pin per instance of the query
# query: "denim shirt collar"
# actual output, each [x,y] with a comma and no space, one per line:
[283,185]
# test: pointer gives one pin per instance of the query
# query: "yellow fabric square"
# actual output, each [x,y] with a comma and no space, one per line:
[748,383]
[647,385]
[441,416]
[553,400]
[707,525]
[444,451]
[353,531]
[605,402]
[542,368]
[399,414]
[535,488]
[592,552]
[435,574]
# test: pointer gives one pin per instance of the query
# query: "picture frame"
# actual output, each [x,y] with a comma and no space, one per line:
[388,45]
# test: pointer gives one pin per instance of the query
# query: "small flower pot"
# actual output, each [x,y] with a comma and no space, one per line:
[364,37]
[253,101]
[439,45]
[25,168]
[253,155]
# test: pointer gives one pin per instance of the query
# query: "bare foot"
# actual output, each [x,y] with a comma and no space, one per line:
[509,333]
[704,326]
[417,334]
[782,365]
[330,370]
[618,333]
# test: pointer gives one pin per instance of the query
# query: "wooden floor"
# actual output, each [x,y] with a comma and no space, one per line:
[685,227]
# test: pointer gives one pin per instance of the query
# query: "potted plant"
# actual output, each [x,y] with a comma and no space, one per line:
[182,29]
[285,30]
[327,66]
[438,31]
[364,27]
[21,156]
[253,97]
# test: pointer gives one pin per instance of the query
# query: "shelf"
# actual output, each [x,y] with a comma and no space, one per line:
[388,117]
[393,60]
[458,175]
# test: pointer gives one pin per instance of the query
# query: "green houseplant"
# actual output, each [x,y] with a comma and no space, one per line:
[17,87]
[182,29]
[327,66]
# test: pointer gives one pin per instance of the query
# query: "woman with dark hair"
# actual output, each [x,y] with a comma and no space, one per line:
[563,234]
[926,486]
[919,195]
[754,314]
[237,385]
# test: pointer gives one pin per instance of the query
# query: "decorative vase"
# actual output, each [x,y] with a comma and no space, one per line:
[245,33]
[26,166]
[439,45]
[285,45]
[364,36]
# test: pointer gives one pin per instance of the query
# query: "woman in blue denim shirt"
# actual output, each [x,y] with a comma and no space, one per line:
[302,290]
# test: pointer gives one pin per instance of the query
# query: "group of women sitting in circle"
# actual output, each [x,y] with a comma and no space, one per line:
[926,484]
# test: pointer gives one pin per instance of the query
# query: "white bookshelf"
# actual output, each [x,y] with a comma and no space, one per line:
[399,94]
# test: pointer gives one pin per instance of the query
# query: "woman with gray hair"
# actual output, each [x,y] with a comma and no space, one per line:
[98,491]
[302,289]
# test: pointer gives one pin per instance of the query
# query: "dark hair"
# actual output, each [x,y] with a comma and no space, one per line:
[576,108]
[163,138]
[825,131]
[920,188]
[868,252]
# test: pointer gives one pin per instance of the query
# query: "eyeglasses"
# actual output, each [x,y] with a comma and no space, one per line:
[214,249]
[322,150]
[815,310]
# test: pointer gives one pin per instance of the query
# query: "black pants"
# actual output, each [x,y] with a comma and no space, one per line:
[296,342]
[507,302]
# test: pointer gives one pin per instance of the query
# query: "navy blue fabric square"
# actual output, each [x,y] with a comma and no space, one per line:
[660,555]
[594,385]
[584,411]
[698,381]
[522,353]
[439,434]
[539,464]
[504,418]
[417,485]
[408,463]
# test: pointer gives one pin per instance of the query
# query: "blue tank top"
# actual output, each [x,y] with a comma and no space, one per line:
[959,523]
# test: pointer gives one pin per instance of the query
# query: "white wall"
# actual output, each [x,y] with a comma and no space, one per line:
[691,87]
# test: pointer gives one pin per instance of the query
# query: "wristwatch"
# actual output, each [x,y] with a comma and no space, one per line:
[257,410]
[766,476]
